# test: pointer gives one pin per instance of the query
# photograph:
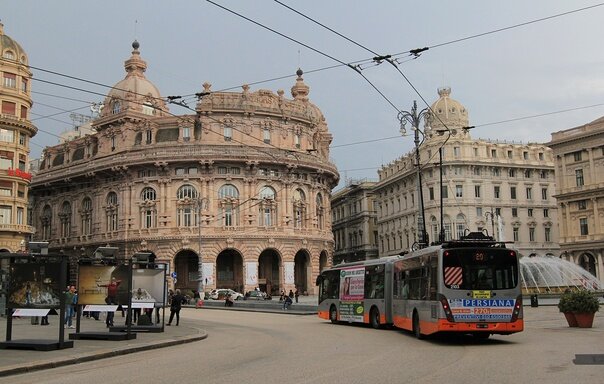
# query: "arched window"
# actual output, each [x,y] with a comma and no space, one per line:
[111,211]
[46,220]
[434,227]
[186,192]
[228,205]
[117,107]
[460,225]
[447,228]
[588,262]
[186,212]
[299,208]
[319,211]
[267,192]
[148,194]
[228,190]
[267,214]
[86,216]
[65,217]
[148,208]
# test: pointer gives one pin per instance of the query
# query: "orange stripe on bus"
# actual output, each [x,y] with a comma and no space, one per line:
[324,315]
[442,325]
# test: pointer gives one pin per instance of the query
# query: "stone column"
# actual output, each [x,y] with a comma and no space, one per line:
[597,227]
[562,184]
[592,167]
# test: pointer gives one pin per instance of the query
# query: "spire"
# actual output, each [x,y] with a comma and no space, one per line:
[135,66]
[300,90]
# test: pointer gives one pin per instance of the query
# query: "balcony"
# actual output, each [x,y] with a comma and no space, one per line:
[20,228]
[19,173]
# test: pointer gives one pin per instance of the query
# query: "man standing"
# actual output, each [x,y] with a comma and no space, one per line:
[111,298]
[69,306]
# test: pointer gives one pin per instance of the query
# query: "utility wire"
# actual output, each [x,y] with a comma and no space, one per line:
[481,125]
[309,47]
[516,26]
[326,27]
[378,59]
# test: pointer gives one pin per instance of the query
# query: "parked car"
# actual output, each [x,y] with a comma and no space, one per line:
[221,294]
[256,295]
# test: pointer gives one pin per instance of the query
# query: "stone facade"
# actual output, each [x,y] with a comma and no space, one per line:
[354,219]
[237,192]
[504,188]
[579,158]
[16,130]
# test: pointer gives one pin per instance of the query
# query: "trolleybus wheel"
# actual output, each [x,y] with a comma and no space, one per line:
[374,318]
[416,329]
[333,314]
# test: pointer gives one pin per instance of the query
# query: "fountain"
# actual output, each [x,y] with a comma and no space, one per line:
[542,274]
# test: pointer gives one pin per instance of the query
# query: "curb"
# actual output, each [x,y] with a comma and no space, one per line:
[263,310]
[103,354]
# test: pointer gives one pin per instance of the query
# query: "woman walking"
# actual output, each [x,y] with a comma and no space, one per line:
[177,301]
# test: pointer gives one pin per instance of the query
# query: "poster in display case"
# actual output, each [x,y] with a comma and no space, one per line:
[35,285]
[102,284]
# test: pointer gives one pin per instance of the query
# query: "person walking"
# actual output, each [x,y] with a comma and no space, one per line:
[291,294]
[296,295]
[176,304]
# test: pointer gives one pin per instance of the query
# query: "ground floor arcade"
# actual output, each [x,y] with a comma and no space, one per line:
[270,271]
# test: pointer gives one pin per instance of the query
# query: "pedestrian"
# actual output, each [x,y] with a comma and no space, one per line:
[296,295]
[44,320]
[287,302]
[282,297]
[228,300]
[69,306]
[176,304]
[291,294]
[111,299]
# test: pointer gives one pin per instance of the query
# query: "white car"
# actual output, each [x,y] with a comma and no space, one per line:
[221,294]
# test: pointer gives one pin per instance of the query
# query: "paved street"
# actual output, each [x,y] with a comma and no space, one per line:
[253,347]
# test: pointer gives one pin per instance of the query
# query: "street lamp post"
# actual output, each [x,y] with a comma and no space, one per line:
[414,118]
[198,205]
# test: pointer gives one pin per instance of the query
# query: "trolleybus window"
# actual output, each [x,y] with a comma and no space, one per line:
[374,281]
[480,269]
[330,285]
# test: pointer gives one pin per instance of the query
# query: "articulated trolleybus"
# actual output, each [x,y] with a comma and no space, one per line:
[470,285]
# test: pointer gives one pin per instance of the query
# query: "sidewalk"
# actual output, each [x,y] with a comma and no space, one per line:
[15,361]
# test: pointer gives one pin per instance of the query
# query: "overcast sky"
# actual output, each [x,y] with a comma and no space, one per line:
[543,67]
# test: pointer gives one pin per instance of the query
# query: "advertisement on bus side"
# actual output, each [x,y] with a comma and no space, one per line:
[352,291]
[482,309]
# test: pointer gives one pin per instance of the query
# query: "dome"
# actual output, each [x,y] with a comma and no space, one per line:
[10,49]
[135,92]
[448,111]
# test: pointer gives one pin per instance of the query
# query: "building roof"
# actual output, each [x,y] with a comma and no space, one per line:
[8,44]
[135,89]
